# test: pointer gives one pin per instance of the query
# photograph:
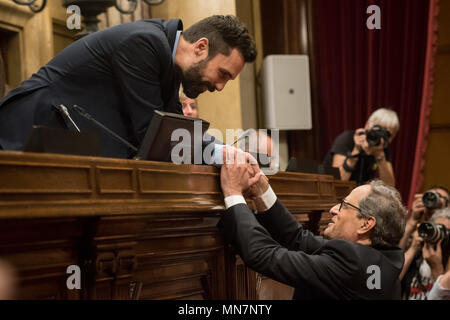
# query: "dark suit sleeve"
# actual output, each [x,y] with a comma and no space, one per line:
[287,231]
[327,271]
[137,66]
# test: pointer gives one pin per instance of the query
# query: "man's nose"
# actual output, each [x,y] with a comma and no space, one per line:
[334,210]
[220,85]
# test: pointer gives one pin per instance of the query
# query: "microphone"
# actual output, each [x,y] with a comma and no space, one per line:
[65,114]
[243,135]
[86,115]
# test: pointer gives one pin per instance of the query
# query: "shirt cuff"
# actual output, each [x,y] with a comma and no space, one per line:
[218,154]
[266,200]
[233,200]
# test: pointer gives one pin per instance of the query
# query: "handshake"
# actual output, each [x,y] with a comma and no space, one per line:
[240,175]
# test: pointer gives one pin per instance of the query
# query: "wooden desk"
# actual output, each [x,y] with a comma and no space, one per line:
[137,229]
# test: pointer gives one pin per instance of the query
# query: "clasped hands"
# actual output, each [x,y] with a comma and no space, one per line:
[240,174]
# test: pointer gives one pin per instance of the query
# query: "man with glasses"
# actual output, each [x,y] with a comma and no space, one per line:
[358,260]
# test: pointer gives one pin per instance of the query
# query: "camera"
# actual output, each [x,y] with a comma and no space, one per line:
[374,135]
[432,200]
[432,232]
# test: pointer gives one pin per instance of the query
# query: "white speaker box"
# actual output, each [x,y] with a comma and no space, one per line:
[287,95]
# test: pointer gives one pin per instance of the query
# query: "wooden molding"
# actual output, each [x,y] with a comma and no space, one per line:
[44,185]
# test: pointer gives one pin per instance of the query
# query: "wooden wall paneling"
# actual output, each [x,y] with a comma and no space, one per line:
[41,251]
[437,155]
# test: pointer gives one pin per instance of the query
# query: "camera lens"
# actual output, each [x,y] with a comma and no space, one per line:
[431,200]
[431,232]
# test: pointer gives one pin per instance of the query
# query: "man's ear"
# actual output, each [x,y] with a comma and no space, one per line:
[201,48]
[367,224]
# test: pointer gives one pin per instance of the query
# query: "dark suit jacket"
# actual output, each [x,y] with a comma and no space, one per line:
[119,75]
[276,245]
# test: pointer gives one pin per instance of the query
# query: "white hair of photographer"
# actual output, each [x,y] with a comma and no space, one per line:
[385,117]
[441,213]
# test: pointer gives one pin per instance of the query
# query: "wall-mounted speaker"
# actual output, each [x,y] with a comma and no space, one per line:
[287,94]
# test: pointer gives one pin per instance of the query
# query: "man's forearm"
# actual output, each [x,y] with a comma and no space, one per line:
[386,173]
[349,163]
[409,229]
[345,176]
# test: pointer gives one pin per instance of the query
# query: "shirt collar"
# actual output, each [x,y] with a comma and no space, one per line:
[175,46]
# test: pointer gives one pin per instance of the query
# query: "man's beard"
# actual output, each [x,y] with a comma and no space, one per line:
[191,79]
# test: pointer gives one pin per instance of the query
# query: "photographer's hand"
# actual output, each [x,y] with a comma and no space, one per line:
[376,151]
[417,242]
[432,253]
[359,140]
[418,209]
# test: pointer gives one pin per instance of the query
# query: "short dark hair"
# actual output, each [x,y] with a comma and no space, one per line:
[224,34]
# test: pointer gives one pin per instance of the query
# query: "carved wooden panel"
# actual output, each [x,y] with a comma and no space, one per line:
[136,229]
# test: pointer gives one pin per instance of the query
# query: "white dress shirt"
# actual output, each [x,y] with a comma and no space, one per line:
[267,200]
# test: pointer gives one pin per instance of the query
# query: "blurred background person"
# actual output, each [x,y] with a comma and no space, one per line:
[424,206]
[360,154]
[427,257]
[189,106]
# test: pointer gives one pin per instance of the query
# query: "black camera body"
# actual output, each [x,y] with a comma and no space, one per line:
[433,233]
[432,200]
[374,135]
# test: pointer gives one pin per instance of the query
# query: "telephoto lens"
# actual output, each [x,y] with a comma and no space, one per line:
[432,233]
[432,200]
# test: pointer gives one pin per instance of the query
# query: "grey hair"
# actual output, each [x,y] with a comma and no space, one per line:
[385,117]
[385,205]
[441,213]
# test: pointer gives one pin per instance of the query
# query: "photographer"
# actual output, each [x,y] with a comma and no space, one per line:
[426,258]
[360,153]
[424,205]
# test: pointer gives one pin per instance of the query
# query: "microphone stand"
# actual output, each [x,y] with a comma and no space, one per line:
[86,115]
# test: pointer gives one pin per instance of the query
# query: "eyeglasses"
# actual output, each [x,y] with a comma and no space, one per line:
[348,204]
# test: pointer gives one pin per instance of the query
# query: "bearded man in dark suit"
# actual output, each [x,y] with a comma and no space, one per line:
[121,74]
